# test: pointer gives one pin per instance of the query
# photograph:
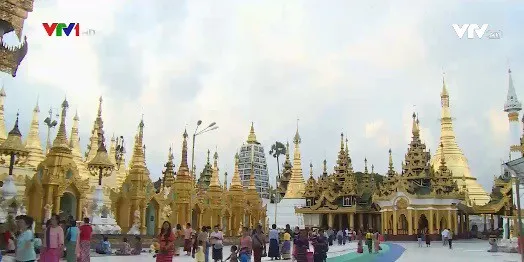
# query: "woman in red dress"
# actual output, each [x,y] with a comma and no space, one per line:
[166,239]
[83,248]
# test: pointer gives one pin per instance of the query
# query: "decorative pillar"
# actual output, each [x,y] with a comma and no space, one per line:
[410,222]
[143,219]
[416,218]
[450,223]
[339,221]
[385,221]
[430,226]
[79,207]
[492,223]
[370,221]
[330,220]
[361,221]
[395,226]
[485,224]
[455,221]
[352,221]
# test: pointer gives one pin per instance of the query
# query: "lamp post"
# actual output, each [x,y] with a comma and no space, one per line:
[197,132]
[13,148]
[50,123]
[119,151]
[100,166]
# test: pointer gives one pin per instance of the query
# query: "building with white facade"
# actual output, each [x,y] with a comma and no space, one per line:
[252,156]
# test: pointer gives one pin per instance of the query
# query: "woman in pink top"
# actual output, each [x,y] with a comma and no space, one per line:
[246,246]
[53,241]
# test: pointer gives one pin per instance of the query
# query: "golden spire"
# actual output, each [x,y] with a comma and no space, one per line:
[296,186]
[3,130]
[454,158]
[365,165]
[252,138]
[236,183]
[225,180]
[138,158]
[415,128]
[183,169]
[215,180]
[372,168]
[74,141]
[390,160]
[324,173]
[94,140]
[33,143]
[252,178]
[60,142]
[341,141]
[169,172]
[310,170]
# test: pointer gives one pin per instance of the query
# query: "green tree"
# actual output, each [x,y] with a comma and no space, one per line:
[277,149]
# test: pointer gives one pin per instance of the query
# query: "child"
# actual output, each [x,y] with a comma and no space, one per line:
[234,255]
[419,239]
[199,254]
[154,248]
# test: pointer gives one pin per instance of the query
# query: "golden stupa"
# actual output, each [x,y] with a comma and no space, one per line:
[454,157]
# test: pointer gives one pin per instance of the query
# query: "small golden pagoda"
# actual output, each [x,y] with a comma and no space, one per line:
[296,185]
[57,181]
[286,174]
[136,197]
[342,199]
[419,198]
[254,202]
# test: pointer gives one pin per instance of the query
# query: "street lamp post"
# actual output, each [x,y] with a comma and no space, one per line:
[13,148]
[197,132]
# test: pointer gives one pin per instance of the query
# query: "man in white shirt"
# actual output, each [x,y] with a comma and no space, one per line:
[445,235]
[216,241]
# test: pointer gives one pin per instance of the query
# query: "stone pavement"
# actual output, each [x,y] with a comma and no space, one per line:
[463,251]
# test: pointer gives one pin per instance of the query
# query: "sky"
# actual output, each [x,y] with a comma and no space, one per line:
[357,67]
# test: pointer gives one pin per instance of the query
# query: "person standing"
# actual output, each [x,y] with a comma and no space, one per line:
[188,232]
[25,251]
[84,244]
[286,246]
[428,238]
[54,241]
[72,234]
[301,244]
[419,238]
[217,244]
[259,244]
[331,235]
[450,238]
[246,246]
[369,240]
[445,234]
[166,240]
[320,247]
[274,252]
[376,241]
[203,237]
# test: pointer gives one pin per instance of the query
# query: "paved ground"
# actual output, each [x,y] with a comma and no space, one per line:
[463,251]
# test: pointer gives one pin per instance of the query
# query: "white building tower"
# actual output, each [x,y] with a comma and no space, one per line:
[513,107]
[252,156]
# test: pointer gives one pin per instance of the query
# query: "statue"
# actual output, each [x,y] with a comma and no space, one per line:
[84,212]
[47,211]
[166,213]
[135,229]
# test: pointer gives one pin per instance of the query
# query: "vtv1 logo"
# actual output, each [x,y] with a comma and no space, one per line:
[474,29]
[58,29]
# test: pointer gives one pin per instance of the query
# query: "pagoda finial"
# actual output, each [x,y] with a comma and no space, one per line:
[61,137]
[347,147]
[325,165]
[183,169]
[365,165]
[390,160]
[252,138]
[297,139]
[342,141]
[100,106]
[372,168]
[215,157]
[208,158]
[310,170]
[415,128]
[236,182]
[512,103]
[442,157]
[169,172]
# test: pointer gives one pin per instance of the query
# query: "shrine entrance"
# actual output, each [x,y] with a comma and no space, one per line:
[68,205]
[423,222]
[151,218]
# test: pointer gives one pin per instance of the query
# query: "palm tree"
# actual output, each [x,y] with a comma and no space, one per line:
[276,151]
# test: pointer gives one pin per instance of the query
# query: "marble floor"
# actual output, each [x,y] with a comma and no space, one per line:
[473,250]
